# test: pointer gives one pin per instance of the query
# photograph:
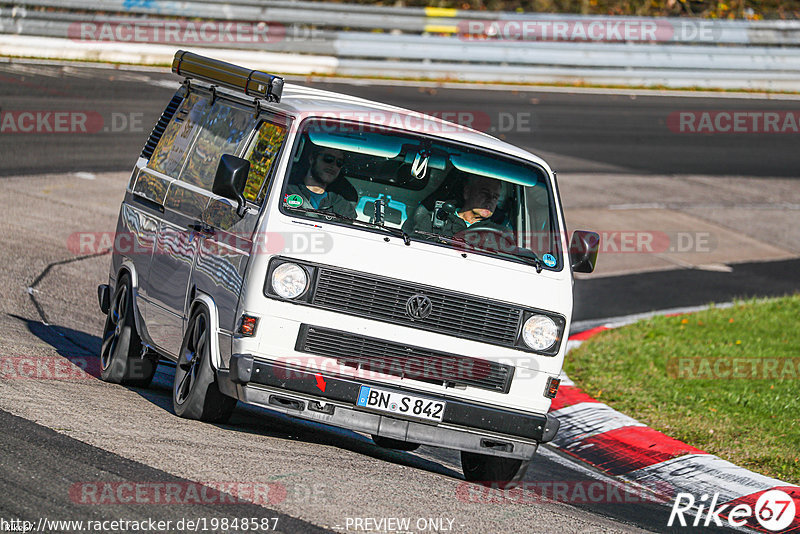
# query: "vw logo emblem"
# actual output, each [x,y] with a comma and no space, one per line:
[419,307]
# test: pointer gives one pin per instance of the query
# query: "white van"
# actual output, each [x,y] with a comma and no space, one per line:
[346,262]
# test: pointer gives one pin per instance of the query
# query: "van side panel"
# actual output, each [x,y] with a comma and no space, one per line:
[220,264]
[171,268]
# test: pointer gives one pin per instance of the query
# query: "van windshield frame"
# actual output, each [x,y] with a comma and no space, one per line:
[404,171]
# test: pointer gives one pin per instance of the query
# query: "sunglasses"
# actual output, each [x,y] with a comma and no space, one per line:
[329,158]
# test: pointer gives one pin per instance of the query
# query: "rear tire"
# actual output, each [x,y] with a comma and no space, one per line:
[389,443]
[123,358]
[493,470]
[195,393]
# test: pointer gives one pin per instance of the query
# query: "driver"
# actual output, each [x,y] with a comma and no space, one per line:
[480,197]
[324,167]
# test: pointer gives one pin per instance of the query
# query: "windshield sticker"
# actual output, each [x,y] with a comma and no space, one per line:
[549,260]
[293,201]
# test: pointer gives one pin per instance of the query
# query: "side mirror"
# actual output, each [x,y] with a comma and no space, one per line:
[230,180]
[583,250]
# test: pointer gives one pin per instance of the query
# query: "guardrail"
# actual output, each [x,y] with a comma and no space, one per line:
[434,20]
[441,43]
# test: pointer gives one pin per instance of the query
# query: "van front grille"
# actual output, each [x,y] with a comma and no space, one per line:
[385,299]
[404,361]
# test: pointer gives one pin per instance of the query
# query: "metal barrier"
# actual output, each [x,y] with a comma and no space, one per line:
[432,20]
[443,43]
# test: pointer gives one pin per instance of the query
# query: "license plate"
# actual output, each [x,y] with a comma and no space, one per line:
[400,403]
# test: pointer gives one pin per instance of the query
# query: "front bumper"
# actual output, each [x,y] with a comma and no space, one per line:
[465,426]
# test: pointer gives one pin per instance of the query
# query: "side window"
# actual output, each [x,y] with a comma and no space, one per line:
[261,154]
[168,156]
[223,131]
[538,236]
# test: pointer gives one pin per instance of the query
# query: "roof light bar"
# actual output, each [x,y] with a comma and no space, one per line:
[250,82]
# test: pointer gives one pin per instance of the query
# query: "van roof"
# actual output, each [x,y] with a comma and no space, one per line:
[301,102]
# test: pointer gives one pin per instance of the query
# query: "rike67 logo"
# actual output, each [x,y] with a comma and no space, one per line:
[773,511]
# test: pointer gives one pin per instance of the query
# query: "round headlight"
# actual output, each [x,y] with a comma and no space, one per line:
[289,280]
[540,332]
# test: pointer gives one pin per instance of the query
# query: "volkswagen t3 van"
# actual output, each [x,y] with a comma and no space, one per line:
[345,262]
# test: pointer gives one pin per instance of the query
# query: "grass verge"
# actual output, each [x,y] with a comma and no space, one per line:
[724,380]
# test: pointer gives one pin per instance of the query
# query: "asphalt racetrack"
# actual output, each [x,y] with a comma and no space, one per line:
[63,438]
[574,132]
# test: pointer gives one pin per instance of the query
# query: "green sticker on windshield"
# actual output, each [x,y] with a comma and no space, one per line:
[294,201]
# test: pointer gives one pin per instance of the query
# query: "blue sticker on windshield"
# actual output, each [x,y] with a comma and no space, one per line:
[549,260]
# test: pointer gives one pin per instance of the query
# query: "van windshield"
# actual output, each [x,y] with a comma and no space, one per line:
[424,189]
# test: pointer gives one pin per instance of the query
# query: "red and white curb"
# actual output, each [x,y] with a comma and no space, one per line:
[620,446]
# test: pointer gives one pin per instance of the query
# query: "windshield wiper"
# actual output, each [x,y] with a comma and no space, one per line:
[396,232]
[326,213]
[441,238]
[528,256]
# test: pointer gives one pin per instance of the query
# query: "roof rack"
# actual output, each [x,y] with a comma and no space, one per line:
[250,82]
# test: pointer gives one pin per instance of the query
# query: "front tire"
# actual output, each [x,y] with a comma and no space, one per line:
[493,470]
[195,393]
[123,358]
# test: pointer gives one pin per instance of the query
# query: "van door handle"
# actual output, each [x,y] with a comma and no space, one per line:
[202,228]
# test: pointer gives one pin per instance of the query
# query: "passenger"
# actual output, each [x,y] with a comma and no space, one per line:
[480,197]
[324,167]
